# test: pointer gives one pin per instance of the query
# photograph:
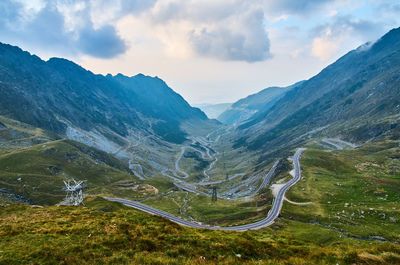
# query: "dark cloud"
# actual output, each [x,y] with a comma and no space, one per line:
[103,42]
[45,30]
[8,13]
[244,40]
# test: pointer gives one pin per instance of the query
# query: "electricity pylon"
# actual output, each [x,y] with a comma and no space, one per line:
[214,194]
[74,191]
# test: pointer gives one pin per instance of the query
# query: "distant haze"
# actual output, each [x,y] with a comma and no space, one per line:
[213,110]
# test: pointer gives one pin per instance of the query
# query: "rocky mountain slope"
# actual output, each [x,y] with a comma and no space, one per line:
[356,98]
[245,108]
[58,94]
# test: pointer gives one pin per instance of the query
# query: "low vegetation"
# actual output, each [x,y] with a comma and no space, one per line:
[350,215]
[355,192]
[346,210]
[107,233]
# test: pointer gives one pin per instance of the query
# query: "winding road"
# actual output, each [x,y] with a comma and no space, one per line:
[247,185]
[204,155]
[267,179]
[177,167]
[337,143]
[267,221]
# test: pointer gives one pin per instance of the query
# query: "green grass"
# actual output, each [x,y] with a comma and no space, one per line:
[226,212]
[37,172]
[354,196]
[108,233]
[355,191]
[202,209]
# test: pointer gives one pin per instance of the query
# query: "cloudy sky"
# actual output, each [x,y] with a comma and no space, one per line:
[207,50]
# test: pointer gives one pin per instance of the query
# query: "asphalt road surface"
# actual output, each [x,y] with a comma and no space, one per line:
[267,221]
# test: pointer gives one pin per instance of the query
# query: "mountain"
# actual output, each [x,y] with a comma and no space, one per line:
[356,98]
[244,108]
[213,110]
[61,96]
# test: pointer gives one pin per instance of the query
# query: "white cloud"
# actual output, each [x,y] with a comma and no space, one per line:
[324,47]
[344,33]
[224,30]
[67,27]
[202,48]
[239,38]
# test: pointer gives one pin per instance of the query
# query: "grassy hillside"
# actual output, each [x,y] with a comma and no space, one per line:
[350,215]
[355,192]
[356,98]
[222,212]
[106,233]
[34,163]
[37,172]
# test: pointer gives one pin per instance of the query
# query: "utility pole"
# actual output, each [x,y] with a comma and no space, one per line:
[214,194]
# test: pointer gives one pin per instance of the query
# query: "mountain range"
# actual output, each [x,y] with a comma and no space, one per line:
[314,167]
[356,98]
[246,108]
[58,94]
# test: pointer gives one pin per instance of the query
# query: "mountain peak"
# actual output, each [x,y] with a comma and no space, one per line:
[66,65]
[389,40]
[9,50]
[140,75]
[59,89]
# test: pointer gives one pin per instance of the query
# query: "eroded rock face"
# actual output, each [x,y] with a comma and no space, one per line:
[146,188]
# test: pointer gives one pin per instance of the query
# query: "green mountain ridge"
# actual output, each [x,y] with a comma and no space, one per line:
[56,117]
[52,95]
[245,108]
[356,98]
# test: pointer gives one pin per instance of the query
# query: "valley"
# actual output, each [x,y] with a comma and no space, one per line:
[303,174]
[268,220]
[344,225]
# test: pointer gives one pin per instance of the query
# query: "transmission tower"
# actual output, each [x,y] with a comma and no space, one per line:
[74,191]
[214,194]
